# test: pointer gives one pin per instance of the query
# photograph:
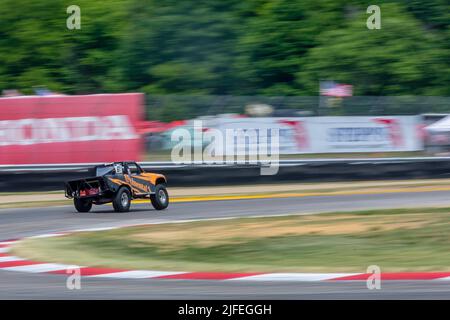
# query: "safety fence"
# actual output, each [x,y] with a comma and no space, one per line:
[176,107]
[52,177]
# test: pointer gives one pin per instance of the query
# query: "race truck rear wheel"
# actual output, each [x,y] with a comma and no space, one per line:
[160,200]
[82,205]
[122,200]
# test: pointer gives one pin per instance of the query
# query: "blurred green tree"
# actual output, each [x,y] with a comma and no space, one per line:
[251,47]
[276,39]
[37,49]
[402,58]
[181,46]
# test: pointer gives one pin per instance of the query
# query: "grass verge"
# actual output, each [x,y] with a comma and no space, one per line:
[395,240]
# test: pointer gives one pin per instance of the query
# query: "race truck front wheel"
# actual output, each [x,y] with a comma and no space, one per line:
[160,200]
[122,200]
[82,205]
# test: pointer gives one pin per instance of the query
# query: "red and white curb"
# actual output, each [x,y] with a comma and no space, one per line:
[13,263]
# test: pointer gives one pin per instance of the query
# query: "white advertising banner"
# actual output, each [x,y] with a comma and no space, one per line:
[326,134]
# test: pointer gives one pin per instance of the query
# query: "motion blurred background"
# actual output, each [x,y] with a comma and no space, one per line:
[255,63]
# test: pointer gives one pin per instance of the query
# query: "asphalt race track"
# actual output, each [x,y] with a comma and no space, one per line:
[16,223]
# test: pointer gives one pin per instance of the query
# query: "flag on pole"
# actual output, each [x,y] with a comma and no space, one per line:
[333,89]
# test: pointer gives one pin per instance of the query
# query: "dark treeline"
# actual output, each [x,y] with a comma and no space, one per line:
[225,47]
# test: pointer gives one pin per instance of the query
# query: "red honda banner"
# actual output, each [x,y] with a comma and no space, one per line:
[70,129]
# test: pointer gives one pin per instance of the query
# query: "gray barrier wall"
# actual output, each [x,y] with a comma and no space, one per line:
[52,177]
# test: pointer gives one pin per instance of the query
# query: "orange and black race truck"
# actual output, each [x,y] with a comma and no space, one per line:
[119,183]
